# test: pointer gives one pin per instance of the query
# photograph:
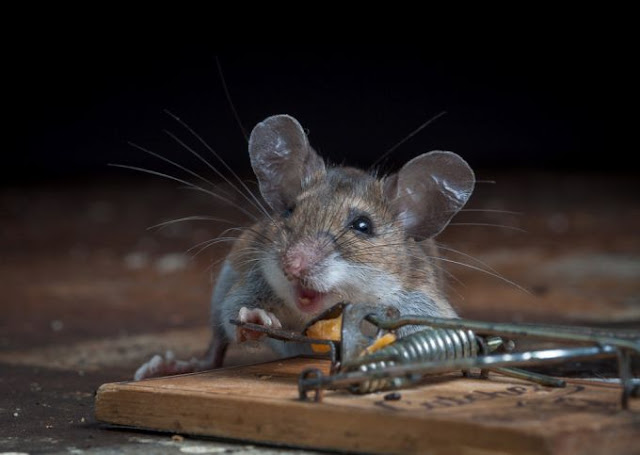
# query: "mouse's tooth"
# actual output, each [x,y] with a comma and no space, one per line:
[304,300]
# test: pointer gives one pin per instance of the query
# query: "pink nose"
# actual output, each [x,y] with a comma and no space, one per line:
[300,258]
[294,264]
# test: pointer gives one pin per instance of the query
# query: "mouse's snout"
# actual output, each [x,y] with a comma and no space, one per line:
[299,260]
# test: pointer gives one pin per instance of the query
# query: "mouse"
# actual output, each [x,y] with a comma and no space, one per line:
[329,234]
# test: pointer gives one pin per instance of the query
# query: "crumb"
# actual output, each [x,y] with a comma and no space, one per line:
[393,396]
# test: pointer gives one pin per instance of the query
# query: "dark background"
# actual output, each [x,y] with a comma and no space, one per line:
[79,105]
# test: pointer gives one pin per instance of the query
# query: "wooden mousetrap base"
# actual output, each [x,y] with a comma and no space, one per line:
[446,415]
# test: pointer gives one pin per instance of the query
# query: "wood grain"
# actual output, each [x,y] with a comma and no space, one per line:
[445,415]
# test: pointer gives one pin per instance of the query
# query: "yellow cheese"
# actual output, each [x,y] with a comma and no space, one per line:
[326,329]
[380,343]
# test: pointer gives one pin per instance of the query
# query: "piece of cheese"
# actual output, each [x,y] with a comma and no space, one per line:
[325,329]
[380,343]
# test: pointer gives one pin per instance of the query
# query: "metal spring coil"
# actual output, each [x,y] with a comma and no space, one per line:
[430,344]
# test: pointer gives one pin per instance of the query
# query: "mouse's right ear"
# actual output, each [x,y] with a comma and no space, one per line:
[282,159]
[428,191]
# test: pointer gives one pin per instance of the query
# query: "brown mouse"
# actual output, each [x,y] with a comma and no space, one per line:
[333,234]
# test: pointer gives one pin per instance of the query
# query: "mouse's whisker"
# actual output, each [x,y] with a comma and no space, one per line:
[186,183]
[480,269]
[443,247]
[164,224]
[501,226]
[229,101]
[223,235]
[498,211]
[406,138]
[209,243]
[259,235]
[249,194]
[211,266]
[419,274]
[253,202]
[173,163]
[201,246]
[250,261]
[490,271]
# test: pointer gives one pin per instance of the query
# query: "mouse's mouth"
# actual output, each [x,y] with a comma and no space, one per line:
[309,300]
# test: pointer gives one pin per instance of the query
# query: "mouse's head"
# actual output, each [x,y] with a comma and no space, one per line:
[339,233]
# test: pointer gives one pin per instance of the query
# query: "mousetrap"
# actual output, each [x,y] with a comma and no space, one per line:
[403,395]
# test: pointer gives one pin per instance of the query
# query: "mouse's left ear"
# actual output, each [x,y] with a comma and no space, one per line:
[282,159]
[428,191]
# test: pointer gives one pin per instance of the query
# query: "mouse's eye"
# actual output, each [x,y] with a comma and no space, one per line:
[362,224]
[287,212]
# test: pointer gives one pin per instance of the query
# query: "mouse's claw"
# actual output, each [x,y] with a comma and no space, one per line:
[255,316]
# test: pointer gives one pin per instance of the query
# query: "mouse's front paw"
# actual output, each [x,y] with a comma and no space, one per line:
[255,316]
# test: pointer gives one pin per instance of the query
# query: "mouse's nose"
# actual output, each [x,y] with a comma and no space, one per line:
[294,264]
[300,258]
